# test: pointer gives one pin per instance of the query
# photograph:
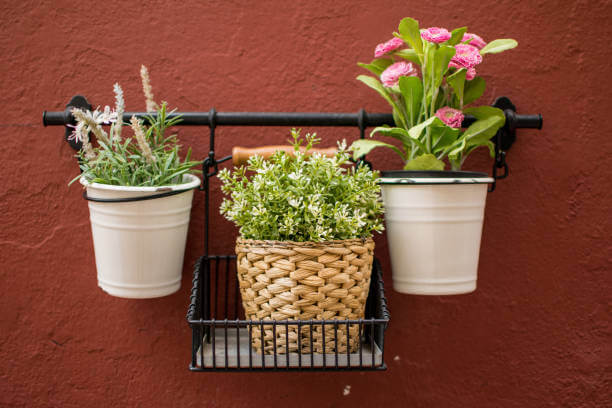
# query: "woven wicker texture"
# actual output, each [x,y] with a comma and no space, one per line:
[285,280]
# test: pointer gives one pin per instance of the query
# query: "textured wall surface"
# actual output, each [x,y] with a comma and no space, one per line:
[536,333]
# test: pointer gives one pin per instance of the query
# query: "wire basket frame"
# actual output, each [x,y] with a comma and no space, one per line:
[222,337]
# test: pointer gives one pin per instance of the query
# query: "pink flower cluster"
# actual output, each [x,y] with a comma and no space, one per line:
[435,35]
[466,56]
[451,117]
[474,40]
[390,76]
[470,74]
[386,47]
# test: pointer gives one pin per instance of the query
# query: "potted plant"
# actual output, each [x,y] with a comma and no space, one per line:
[139,193]
[305,249]
[434,217]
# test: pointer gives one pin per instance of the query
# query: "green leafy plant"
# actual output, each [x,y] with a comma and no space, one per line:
[150,158]
[429,78]
[302,197]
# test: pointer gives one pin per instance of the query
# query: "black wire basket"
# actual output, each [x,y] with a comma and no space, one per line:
[222,337]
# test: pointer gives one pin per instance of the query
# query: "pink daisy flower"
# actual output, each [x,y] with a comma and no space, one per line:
[392,74]
[466,56]
[435,35]
[451,117]
[474,40]
[386,47]
[470,74]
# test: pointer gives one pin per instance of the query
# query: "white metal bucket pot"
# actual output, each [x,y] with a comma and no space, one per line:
[139,245]
[434,225]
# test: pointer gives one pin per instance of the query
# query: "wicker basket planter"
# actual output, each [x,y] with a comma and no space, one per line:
[285,280]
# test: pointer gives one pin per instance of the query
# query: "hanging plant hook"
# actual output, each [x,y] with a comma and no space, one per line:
[506,136]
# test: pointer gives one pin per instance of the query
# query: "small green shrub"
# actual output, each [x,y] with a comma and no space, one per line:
[302,198]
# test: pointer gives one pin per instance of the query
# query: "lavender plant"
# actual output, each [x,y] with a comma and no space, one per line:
[302,198]
[149,158]
[428,76]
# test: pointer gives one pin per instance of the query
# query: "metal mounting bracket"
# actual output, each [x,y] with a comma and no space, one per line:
[77,101]
[508,132]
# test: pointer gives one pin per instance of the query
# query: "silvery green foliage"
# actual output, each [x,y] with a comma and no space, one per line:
[302,198]
[151,158]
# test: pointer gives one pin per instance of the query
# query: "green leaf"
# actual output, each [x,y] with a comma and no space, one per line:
[456,36]
[497,46]
[397,117]
[362,147]
[412,91]
[440,100]
[408,54]
[489,144]
[75,179]
[441,59]
[482,130]
[394,132]
[478,134]
[424,162]
[484,112]
[410,33]
[400,134]
[443,137]
[419,144]
[377,66]
[491,147]
[457,82]
[454,153]
[455,164]
[378,87]
[473,90]
[169,161]
[170,178]
[415,131]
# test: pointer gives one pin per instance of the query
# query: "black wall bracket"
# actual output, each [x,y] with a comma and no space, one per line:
[77,101]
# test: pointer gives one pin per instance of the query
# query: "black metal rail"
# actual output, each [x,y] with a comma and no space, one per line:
[362,118]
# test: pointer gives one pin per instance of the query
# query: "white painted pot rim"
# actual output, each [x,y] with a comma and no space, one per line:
[434,177]
[193,182]
[436,180]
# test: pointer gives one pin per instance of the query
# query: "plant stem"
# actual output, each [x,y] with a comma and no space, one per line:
[432,110]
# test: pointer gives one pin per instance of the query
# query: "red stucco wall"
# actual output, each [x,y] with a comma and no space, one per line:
[536,332]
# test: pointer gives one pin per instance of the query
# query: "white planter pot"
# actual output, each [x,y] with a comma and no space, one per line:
[139,246]
[434,224]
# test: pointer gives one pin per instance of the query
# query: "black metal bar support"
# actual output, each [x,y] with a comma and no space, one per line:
[77,101]
[63,118]
[248,118]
